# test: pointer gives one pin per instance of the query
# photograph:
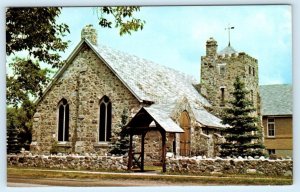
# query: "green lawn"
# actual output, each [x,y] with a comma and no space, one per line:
[170,179]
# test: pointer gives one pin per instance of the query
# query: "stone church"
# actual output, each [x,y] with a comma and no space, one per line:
[82,108]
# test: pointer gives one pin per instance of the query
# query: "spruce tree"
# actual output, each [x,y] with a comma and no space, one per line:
[120,141]
[243,136]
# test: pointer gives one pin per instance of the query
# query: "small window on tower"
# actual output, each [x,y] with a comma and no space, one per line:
[222,97]
[222,69]
[252,97]
[253,71]
[249,70]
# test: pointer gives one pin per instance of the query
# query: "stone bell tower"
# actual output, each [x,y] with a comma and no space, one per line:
[218,73]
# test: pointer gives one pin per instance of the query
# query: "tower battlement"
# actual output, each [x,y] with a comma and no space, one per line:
[219,70]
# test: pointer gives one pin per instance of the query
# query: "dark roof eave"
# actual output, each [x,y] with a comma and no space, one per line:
[148,102]
[273,115]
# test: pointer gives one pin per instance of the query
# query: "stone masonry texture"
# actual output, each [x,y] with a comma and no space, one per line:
[219,71]
[195,165]
[230,166]
[90,79]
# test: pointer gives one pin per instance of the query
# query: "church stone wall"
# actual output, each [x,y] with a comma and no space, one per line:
[86,80]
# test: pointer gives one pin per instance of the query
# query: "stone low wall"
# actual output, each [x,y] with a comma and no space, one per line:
[220,166]
[182,165]
[69,162]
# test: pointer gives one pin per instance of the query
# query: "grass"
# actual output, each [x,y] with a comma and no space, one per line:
[171,179]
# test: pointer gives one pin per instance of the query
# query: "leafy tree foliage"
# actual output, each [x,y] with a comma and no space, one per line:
[27,80]
[243,136]
[36,31]
[122,18]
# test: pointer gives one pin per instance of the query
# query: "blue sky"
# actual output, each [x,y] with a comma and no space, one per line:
[175,35]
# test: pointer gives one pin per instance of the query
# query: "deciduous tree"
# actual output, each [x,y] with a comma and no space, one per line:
[35,33]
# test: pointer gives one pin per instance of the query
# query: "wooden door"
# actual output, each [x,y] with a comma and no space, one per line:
[185,138]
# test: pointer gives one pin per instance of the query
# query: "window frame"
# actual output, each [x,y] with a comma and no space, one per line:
[268,127]
[108,122]
[271,151]
[66,121]
[223,71]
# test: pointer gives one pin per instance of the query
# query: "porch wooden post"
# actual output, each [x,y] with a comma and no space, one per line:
[164,148]
[142,151]
[174,144]
[130,153]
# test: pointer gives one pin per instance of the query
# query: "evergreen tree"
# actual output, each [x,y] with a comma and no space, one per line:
[12,140]
[243,136]
[120,141]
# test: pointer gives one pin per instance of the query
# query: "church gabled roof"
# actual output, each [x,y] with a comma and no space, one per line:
[149,81]
[227,50]
[276,99]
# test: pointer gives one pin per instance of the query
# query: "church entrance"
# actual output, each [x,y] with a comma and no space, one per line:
[185,138]
[145,121]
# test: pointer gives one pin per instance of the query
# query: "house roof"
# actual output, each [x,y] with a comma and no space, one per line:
[149,81]
[227,50]
[276,99]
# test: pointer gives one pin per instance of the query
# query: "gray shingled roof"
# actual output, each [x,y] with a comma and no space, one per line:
[276,99]
[206,118]
[162,85]
[149,81]
[227,50]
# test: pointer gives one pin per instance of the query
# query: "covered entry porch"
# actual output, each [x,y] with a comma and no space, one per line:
[149,119]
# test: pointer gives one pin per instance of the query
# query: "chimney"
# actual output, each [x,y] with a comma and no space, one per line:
[211,47]
[90,33]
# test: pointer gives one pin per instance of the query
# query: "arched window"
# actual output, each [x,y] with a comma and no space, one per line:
[105,120]
[63,120]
